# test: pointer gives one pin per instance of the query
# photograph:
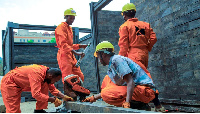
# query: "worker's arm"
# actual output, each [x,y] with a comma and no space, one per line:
[57,93]
[83,46]
[60,95]
[53,89]
[130,86]
[97,96]
[123,41]
[64,97]
[78,53]
[76,46]
[92,98]
[152,39]
[122,69]
[51,99]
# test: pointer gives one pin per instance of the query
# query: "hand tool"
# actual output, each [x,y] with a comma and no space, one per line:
[81,58]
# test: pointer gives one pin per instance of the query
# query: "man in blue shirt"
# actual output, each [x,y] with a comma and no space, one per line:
[126,81]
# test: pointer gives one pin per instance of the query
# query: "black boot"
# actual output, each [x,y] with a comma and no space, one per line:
[40,111]
[140,105]
[156,100]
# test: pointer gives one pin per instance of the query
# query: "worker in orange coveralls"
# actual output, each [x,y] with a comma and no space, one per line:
[136,41]
[136,37]
[65,56]
[126,80]
[39,80]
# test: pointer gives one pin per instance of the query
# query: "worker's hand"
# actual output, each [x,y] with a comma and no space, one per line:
[82,55]
[126,105]
[57,102]
[90,99]
[79,53]
[67,98]
[51,99]
[83,46]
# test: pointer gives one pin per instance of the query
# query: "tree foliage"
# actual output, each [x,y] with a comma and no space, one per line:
[30,41]
[53,40]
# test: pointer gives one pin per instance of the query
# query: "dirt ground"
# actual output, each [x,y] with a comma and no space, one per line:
[28,107]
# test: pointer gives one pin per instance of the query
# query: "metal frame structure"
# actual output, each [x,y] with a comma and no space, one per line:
[7,36]
[94,8]
[8,40]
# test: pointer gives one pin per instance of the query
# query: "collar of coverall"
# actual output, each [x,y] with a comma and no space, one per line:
[133,19]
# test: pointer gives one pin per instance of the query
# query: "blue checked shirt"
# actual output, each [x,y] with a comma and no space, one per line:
[119,66]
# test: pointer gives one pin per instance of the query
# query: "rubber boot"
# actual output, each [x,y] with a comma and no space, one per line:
[40,111]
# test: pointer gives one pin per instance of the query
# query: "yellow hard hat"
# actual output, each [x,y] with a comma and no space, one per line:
[69,11]
[103,45]
[128,6]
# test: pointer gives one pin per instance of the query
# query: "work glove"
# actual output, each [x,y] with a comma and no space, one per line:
[89,99]
[126,105]
[57,102]
[67,98]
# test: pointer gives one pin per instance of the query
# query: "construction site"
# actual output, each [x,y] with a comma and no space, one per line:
[173,61]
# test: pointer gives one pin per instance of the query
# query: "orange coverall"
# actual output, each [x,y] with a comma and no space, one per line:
[65,57]
[136,40]
[26,78]
[116,95]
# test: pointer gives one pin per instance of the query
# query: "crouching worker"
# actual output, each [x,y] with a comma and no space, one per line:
[126,81]
[37,79]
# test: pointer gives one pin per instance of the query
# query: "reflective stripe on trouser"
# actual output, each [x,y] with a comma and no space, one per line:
[116,95]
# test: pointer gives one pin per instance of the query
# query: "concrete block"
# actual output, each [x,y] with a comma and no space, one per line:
[99,107]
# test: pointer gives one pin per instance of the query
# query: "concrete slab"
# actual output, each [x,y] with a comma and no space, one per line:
[100,107]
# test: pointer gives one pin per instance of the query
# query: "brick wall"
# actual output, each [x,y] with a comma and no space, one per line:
[108,25]
[45,54]
[174,60]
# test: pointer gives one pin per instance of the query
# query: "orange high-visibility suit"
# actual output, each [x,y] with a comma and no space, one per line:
[136,40]
[116,95]
[26,78]
[65,57]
